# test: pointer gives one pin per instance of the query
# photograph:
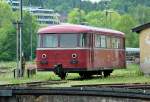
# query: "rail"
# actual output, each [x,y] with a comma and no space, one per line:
[127,85]
[81,91]
[33,84]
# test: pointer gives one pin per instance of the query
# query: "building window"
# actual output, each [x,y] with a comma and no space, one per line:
[50,40]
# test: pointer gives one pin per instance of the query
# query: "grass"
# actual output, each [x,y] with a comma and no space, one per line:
[131,74]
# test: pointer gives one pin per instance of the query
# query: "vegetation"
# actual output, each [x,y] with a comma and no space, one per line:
[8,32]
[130,75]
[121,15]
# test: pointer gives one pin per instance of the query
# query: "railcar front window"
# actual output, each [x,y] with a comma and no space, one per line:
[39,41]
[68,40]
[50,41]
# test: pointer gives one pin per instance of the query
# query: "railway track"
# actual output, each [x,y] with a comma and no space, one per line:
[33,84]
[126,86]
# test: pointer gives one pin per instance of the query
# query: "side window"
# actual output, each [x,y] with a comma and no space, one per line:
[116,43]
[108,40]
[83,40]
[103,41]
[100,41]
[113,42]
[97,41]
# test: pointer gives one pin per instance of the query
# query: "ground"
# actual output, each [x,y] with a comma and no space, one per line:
[131,74]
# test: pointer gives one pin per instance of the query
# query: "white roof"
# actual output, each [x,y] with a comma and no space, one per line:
[133,49]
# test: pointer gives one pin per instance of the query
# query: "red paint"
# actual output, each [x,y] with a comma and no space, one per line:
[64,57]
[72,28]
[89,58]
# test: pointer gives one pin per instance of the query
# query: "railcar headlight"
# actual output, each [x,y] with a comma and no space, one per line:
[74,55]
[44,56]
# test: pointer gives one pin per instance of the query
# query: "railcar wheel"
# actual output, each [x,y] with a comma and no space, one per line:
[107,73]
[62,75]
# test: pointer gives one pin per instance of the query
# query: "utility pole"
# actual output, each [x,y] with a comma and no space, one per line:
[31,36]
[19,70]
[80,12]
[20,41]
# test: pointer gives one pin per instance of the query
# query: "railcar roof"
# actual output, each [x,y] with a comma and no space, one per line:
[73,28]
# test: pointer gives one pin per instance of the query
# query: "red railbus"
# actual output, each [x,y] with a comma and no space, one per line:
[70,48]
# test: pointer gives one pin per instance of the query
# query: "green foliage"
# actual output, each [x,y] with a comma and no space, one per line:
[125,24]
[29,27]
[109,19]
[8,32]
[140,13]
[76,16]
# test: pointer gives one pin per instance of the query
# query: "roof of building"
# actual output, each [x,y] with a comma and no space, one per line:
[132,49]
[73,28]
[139,28]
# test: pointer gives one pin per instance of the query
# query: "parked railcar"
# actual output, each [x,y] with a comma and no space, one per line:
[69,48]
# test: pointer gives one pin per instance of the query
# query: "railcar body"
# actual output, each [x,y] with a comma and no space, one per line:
[82,49]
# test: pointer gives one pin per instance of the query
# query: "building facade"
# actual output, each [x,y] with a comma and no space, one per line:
[43,16]
[144,36]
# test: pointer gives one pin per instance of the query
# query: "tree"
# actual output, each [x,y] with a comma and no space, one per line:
[140,13]
[96,18]
[29,27]
[125,24]
[8,32]
[76,16]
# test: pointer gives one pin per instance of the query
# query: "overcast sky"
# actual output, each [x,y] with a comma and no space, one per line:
[95,0]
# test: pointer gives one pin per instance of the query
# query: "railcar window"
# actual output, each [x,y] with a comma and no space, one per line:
[68,40]
[50,40]
[98,41]
[39,41]
[103,41]
[82,40]
[116,43]
[108,39]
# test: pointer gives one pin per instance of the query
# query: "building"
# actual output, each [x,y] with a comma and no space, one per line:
[44,16]
[144,36]
[14,4]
